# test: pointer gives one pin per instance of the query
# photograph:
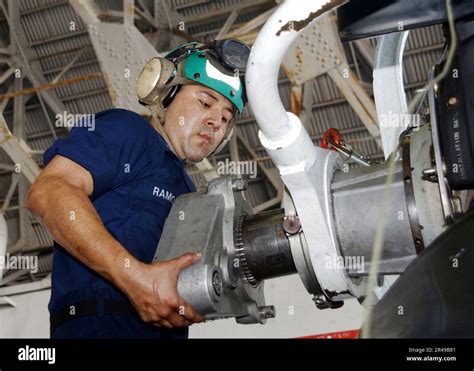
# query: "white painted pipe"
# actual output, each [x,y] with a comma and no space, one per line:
[3,241]
[281,133]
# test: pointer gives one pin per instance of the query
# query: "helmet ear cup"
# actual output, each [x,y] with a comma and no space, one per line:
[153,81]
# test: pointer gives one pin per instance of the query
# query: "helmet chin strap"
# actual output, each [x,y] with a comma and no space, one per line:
[158,125]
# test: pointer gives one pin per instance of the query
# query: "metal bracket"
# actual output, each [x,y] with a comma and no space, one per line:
[389,90]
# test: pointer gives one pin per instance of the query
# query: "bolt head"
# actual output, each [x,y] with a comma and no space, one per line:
[239,185]
[217,283]
[452,102]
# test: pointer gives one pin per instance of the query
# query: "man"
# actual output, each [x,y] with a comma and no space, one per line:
[104,196]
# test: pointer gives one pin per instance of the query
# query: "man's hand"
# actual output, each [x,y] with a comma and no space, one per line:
[152,289]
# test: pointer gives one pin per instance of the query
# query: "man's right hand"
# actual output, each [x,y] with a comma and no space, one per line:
[152,289]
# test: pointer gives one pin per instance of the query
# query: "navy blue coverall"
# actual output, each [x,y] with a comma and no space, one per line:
[136,179]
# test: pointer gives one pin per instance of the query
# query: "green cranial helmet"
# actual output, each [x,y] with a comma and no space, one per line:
[220,66]
[206,65]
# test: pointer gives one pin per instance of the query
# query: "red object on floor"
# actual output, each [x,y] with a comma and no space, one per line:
[351,334]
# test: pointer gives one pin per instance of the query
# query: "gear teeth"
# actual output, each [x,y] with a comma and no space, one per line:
[240,253]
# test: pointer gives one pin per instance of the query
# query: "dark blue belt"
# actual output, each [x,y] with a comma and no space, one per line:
[90,308]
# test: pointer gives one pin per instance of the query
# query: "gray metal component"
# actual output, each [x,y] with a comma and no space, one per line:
[291,224]
[264,245]
[350,287]
[410,196]
[389,92]
[300,253]
[206,223]
[240,254]
[353,205]
[348,152]
[302,260]
[268,311]
[427,196]
[357,196]
[442,182]
[317,242]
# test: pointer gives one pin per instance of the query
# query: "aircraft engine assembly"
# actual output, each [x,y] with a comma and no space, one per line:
[326,228]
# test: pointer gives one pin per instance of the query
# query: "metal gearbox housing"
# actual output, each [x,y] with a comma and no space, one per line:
[351,201]
[207,223]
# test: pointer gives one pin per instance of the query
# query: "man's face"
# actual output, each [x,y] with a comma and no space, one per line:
[196,121]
